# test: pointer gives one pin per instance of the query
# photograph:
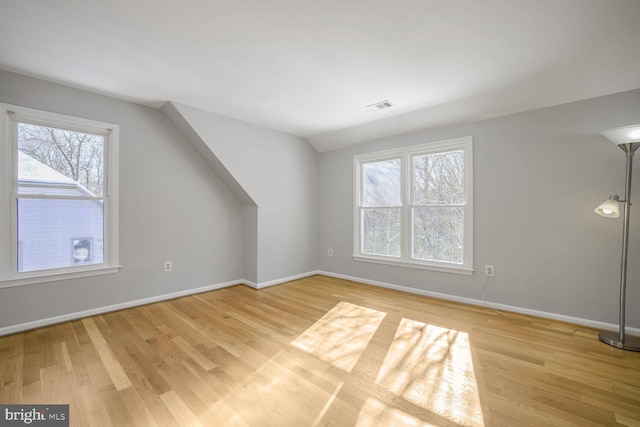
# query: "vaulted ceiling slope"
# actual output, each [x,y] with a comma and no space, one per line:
[310,67]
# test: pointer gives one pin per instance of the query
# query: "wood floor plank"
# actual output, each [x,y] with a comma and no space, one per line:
[111,364]
[192,352]
[321,351]
[180,410]
[92,407]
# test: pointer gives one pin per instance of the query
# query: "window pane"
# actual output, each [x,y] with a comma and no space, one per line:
[438,179]
[61,162]
[381,183]
[55,233]
[438,234]
[381,231]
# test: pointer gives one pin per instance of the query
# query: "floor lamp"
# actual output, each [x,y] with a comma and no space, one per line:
[627,138]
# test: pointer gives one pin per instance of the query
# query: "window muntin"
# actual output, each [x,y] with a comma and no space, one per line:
[61,184]
[414,206]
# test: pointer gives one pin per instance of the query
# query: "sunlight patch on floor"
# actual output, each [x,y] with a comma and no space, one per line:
[432,367]
[341,335]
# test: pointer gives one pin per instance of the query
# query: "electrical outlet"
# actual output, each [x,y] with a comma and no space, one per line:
[168,266]
[489,270]
[330,252]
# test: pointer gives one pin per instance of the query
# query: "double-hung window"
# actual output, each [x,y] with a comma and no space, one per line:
[59,194]
[414,206]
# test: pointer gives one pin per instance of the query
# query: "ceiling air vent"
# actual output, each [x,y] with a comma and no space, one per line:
[380,105]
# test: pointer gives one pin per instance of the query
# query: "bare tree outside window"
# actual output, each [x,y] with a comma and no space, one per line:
[414,206]
[438,179]
[77,155]
[438,218]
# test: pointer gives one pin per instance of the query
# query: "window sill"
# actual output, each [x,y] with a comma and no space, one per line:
[421,266]
[55,275]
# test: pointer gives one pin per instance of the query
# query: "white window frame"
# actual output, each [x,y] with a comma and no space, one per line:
[13,114]
[406,154]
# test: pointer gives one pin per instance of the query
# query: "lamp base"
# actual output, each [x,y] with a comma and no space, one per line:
[613,338]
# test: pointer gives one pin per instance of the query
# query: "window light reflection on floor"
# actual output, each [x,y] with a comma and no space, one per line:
[341,335]
[432,367]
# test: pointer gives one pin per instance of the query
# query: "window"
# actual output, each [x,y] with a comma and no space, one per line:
[414,206]
[59,197]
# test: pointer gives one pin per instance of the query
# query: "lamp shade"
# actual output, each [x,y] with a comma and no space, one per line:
[623,135]
[609,208]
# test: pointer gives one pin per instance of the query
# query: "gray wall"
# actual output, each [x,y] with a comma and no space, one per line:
[279,174]
[538,176]
[172,207]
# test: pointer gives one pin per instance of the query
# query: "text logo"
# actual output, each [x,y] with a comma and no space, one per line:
[34,415]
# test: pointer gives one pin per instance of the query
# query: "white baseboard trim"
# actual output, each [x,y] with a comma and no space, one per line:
[504,307]
[21,327]
[249,283]
[279,281]
[12,329]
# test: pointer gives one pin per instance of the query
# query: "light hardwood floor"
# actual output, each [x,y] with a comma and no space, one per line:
[321,352]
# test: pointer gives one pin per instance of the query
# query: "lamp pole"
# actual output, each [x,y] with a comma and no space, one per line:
[619,339]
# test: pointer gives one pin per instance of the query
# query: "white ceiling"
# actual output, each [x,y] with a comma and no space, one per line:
[309,67]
